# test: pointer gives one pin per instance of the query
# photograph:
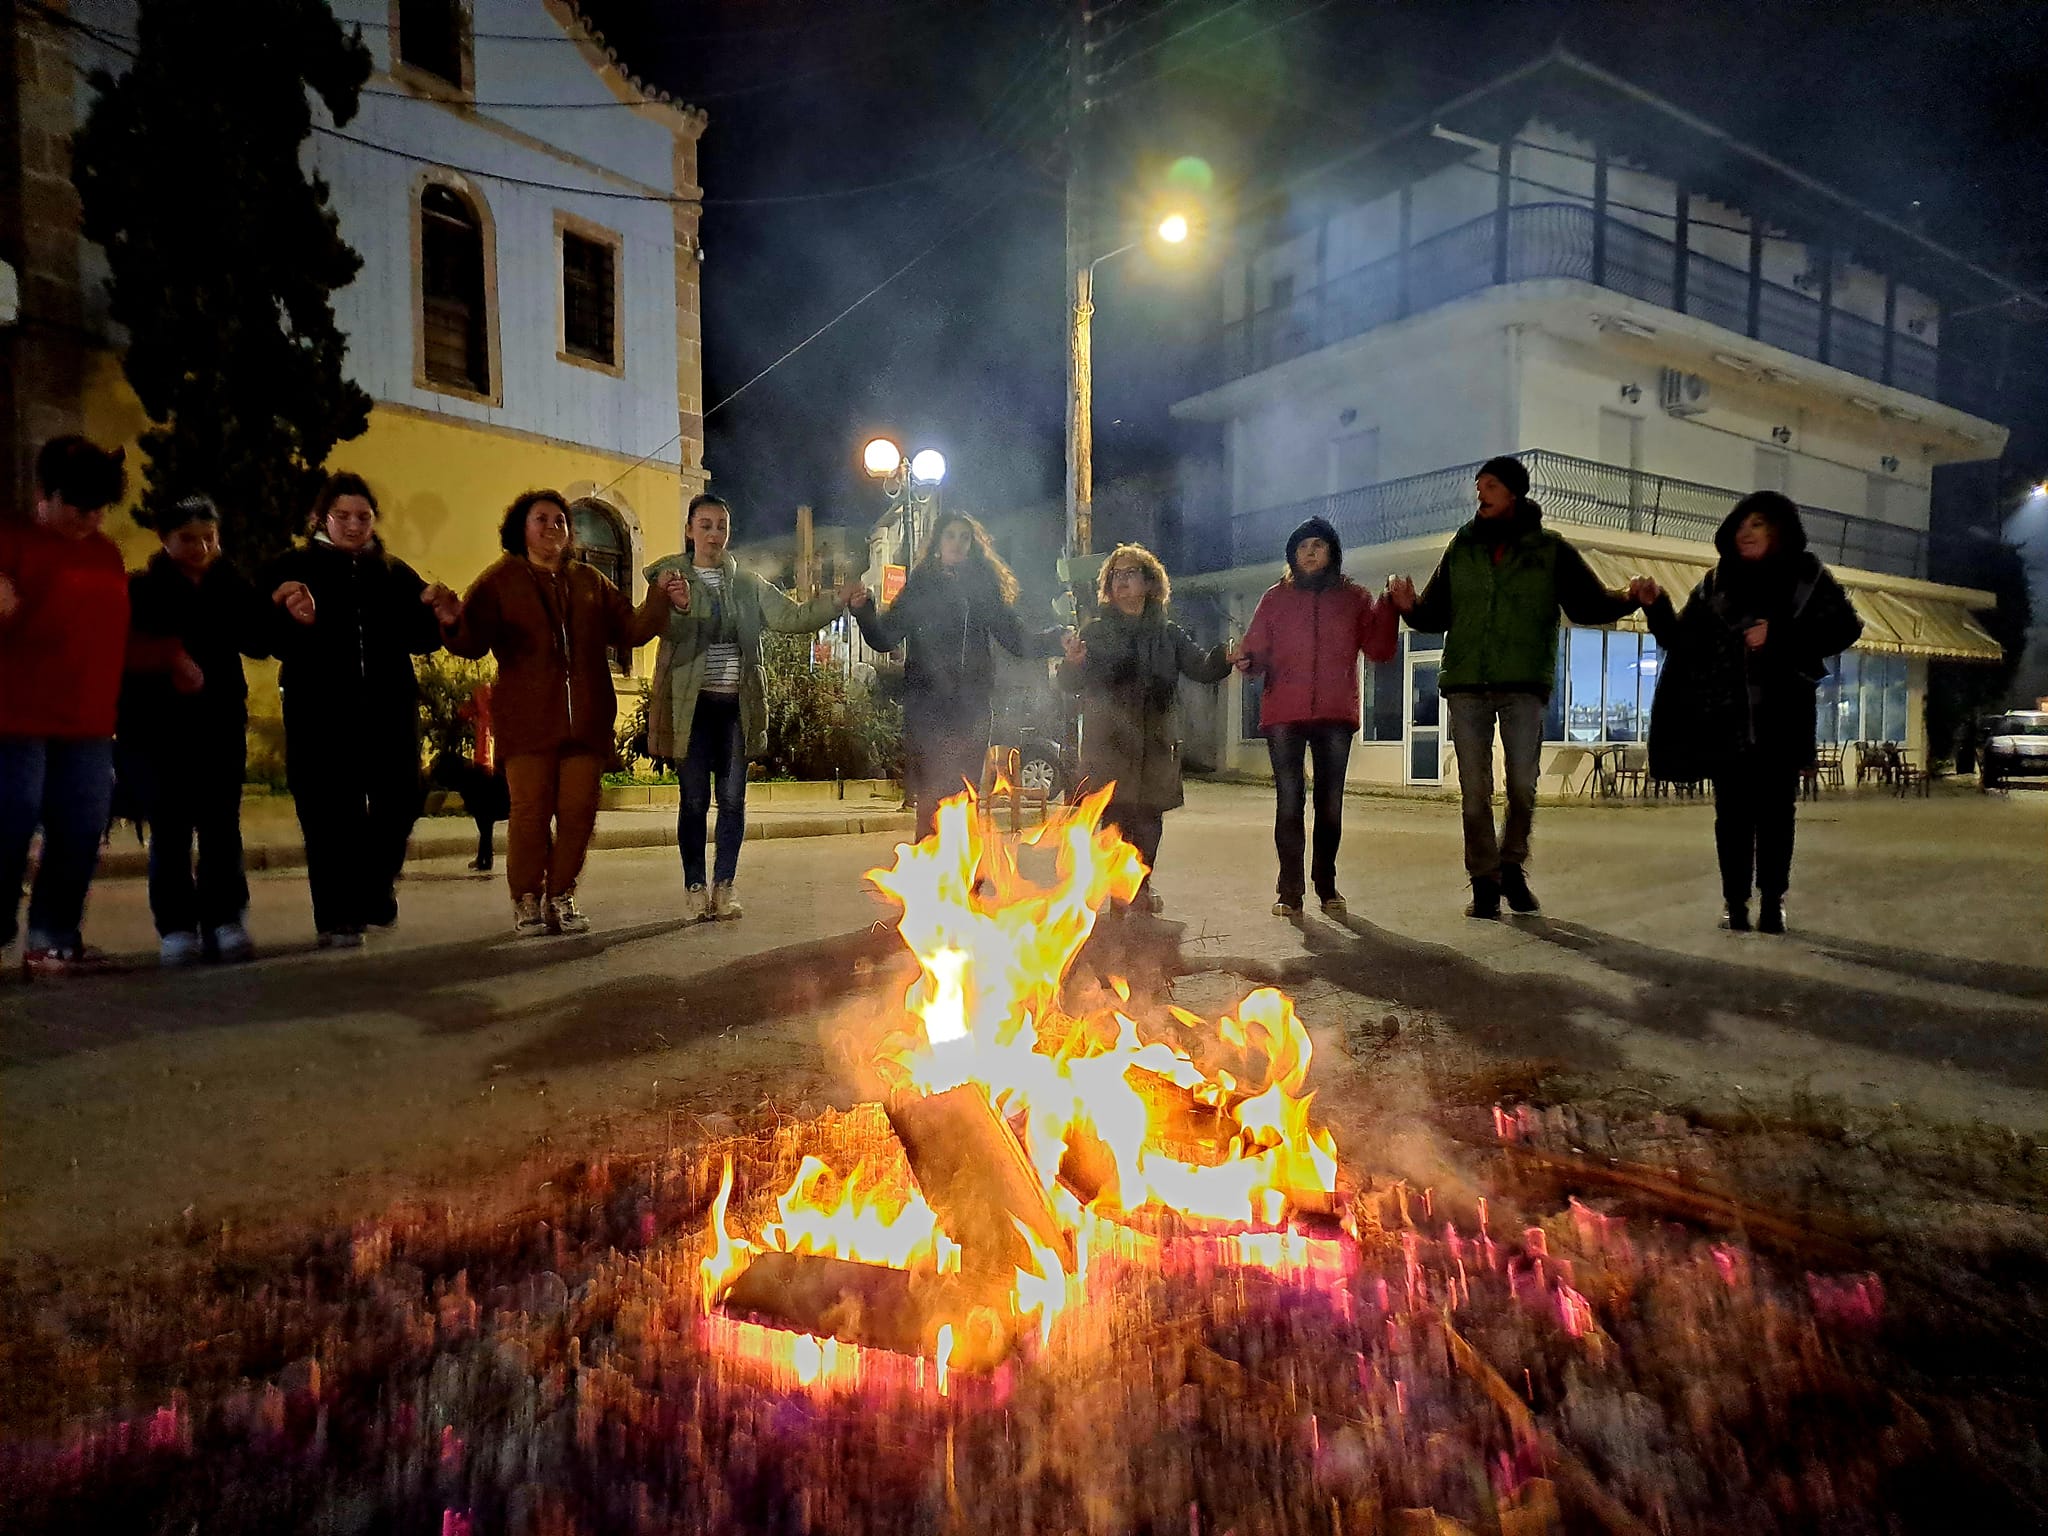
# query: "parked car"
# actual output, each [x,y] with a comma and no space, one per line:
[1043,762]
[2015,746]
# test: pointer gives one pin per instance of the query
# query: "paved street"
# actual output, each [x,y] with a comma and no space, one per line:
[448,1055]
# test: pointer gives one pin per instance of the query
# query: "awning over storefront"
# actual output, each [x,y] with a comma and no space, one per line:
[1924,626]
[1894,623]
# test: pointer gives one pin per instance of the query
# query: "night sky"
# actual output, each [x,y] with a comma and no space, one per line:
[1938,105]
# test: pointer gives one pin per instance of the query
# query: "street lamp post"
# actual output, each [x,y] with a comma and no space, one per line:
[1172,230]
[912,483]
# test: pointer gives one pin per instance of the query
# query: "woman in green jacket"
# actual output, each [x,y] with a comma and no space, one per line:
[1127,664]
[707,709]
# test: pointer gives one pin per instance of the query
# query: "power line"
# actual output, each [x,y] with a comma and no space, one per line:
[770,200]
[1218,52]
[1171,37]
[940,239]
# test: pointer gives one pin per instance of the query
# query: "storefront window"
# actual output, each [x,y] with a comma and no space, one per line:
[1251,693]
[1553,711]
[1826,706]
[1624,719]
[1896,726]
[1582,710]
[1379,716]
[1848,719]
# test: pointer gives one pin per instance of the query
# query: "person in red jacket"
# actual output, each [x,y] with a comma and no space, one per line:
[63,646]
[1304,643]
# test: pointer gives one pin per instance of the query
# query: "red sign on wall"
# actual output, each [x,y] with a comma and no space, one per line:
[892,581]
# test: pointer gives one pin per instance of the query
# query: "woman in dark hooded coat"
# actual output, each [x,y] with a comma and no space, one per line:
[1735,700]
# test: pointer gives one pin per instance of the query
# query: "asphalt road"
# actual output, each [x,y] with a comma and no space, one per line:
[154,1107]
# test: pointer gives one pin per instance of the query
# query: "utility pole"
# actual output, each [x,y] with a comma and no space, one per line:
[1078,293]
[806,555]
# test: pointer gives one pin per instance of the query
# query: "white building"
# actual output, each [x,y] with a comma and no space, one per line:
[1657,321]
[526,313]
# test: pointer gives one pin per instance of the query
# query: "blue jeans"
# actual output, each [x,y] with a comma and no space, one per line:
[1326,743]
[1473,718]
[718,750]
[65,787]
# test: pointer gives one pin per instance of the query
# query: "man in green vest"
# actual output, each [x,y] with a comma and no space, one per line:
[1495,597]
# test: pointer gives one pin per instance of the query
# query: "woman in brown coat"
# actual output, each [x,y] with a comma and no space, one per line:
[550,621]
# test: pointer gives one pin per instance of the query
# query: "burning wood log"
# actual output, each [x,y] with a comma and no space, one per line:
[971,1168]
[873,1305]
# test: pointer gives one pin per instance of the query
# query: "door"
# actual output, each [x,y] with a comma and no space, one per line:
[1425,711]
[1621,445]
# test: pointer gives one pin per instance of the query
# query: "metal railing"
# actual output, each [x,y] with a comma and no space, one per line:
[1546,240]
[1572,490]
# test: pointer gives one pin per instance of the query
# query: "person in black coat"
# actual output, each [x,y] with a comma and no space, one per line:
[182,743]
[959,599]
[358,616]
[1735,698]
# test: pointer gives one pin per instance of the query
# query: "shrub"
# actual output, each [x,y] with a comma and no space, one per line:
[447,684]
[820,724]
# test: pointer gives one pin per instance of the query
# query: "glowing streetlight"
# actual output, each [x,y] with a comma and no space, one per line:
[1173,229]
[928,466]
[881,458]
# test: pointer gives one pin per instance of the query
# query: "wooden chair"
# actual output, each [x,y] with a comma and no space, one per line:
[1633,773]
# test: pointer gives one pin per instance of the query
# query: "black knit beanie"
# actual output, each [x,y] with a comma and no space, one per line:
[1317,528]
[1509,472]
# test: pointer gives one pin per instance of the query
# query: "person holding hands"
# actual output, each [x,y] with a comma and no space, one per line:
[551,621]
[1495,597]
[354,618]
[1126,664]
[957,603]
[1304,642]
[1735,696]
[707,708]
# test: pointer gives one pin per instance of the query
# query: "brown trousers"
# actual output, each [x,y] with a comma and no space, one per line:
[554,811]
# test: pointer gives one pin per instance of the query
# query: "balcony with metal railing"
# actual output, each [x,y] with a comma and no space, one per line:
[1572,490]
[1567,240]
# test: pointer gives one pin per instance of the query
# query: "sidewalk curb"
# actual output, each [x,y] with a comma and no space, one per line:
[131,862]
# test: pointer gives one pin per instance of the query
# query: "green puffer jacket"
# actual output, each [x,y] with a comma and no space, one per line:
[1499,616]
[757,606]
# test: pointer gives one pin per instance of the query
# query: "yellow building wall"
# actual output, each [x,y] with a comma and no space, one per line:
[442,487]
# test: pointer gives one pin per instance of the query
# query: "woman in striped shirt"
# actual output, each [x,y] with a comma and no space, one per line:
[707,709]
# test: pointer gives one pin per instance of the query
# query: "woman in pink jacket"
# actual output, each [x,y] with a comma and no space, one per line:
[1304,641]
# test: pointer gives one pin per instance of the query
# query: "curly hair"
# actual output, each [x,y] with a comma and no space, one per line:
[512,530]
[982,555]
[1137,555]
[341,483]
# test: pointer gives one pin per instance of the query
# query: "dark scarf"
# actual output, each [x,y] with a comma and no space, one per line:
[1321,581]
[1759,589]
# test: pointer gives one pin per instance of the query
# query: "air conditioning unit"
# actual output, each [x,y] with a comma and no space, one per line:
[1680,393]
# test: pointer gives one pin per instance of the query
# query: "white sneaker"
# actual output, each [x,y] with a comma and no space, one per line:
[724,904]
[231,944]
[178,949]
[342,938]
[528,921]
[564,916]
[697,905]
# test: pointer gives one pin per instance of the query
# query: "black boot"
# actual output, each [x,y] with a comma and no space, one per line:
[1770,917]
[1515,886]
[1737,920]
[1485,898]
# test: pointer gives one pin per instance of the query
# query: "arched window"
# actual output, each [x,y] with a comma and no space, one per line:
[601,542]
[454,295]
